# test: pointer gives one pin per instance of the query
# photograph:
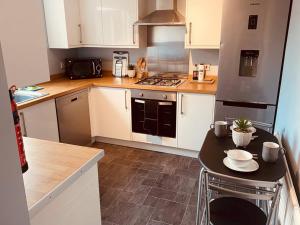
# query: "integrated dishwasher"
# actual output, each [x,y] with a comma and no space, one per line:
[74,118]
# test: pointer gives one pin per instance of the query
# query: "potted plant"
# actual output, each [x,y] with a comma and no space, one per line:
[131,71]
[241,132]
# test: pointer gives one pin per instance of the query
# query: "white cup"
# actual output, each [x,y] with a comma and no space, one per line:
[270,151]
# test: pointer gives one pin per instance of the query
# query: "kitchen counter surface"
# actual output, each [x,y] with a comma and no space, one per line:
[52,168]
[62,86]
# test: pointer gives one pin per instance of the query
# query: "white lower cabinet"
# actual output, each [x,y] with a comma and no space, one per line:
[195,113]
[110,110]
[40,121]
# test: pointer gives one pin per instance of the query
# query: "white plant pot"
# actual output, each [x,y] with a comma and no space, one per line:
[241,139]
[131,73]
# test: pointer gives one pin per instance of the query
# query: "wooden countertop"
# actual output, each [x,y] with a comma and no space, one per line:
[52,168]
[63,86]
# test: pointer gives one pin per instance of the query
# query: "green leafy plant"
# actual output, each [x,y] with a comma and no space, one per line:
[131,67]
[242,125]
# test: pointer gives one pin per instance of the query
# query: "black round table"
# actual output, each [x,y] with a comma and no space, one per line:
[212,154]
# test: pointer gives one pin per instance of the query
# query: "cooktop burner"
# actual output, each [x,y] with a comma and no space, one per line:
[158,81]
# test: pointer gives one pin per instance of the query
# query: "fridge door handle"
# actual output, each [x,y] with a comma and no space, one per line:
[257,105]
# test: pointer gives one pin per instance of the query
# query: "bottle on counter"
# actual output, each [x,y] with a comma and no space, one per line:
[201,72]
[195,72]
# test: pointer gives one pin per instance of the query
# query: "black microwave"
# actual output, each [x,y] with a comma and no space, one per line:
[83,68]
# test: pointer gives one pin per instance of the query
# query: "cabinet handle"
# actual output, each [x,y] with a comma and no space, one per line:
[94,68]
[133,34]
[24,124]
[80,30]
[181,104]
[190,34]
[126,107]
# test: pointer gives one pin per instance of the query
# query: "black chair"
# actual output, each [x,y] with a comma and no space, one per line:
[233,201]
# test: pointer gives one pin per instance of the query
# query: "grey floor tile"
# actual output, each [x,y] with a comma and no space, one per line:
[182,198]
[150,182]
[153,222]
[169,212]
[189,216]
[163,194]
[139,187]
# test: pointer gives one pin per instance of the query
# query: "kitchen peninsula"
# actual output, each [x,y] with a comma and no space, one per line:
[62,180]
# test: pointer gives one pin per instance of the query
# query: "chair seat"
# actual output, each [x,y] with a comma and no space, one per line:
[235,211]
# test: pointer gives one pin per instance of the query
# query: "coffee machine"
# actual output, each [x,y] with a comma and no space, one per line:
[120,63]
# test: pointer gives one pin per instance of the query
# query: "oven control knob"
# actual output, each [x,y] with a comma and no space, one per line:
[141,94]
[165,97]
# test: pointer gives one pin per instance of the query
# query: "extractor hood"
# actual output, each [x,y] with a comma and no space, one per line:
[164,15]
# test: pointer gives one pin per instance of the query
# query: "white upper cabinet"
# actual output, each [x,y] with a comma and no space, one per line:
[118,22]
[24,42]
[94,23]
[91,22]
[194,116]
[63,23]
[110,110]
[203,22]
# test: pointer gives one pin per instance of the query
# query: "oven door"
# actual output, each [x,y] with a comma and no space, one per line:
[154,117]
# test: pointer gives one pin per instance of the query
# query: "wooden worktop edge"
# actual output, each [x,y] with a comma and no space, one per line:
[89,84]
[34,209]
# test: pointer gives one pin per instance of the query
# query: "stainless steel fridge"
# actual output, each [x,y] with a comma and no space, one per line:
[251,55]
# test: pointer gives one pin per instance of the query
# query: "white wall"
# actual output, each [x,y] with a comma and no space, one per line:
[56,57]
[23,39]
[288,118]
[13,206]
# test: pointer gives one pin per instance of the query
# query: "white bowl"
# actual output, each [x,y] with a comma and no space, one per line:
[239,158]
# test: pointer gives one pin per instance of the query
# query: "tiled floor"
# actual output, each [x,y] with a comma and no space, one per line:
[139,187]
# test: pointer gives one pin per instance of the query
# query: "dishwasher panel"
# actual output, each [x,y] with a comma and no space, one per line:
[74,118]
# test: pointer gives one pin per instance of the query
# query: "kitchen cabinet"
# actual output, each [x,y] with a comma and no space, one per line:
[91,22]
[63,23]
[23,41]
[194,116]
[94,23]
[203,21]
[40,121]
[110,111]
[118,22]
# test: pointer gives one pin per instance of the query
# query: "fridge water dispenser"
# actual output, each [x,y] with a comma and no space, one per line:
[249,63]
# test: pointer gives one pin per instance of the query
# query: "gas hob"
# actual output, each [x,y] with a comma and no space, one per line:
[161,81]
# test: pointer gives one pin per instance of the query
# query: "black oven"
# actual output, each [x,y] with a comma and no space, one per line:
[83,68]
[154,113]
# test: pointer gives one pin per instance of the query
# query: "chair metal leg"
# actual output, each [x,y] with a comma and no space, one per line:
[206,198]
[199,196]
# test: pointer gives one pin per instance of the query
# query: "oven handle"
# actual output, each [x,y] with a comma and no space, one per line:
[139,101]
[165,103]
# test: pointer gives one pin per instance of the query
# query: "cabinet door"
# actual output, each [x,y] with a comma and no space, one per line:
[73,24]
[203,23]
[91,22]
[195,114]
[23,41]
[40,121]
[118,22]
[111,113]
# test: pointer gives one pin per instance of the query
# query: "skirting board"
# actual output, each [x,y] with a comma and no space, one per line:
[146,146]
